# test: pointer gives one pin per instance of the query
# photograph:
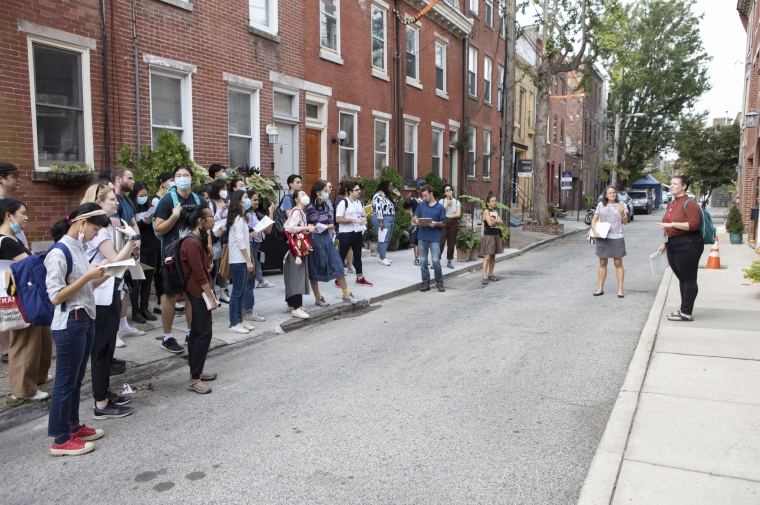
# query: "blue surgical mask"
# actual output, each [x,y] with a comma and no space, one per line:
[325,197]
[224,177]
[183,183]
[16,228]
[247,204]
[243,189]
[142,200]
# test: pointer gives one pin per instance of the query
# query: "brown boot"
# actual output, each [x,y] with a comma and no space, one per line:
[198,386]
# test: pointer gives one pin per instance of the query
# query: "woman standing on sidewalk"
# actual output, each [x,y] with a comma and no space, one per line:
[255,238]
[220,198]
[239,258]
[383,216]
[611,211]
[342,195]
[297,275]
[451,228]
[149,255]
[491,245]
[684,244]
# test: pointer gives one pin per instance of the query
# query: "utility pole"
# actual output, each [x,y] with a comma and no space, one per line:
[508,102]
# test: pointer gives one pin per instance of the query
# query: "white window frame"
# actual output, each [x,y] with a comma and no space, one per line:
[471,150]
[253,156]
[472,72]
[382,73]
[352,170]
[440,45]
[486,155]
[500,88]
[328,53]
[84,55]
[502,19]
[295,107]
[415,146]
[386,123]
[487,79]
[186,102]
[272,17]
[439,154]
[488,14]
[474,6]
[413,81]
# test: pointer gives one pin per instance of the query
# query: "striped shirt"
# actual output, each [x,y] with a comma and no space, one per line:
[55,262]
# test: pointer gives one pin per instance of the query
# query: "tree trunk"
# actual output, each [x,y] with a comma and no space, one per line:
[540,196]
[508,104]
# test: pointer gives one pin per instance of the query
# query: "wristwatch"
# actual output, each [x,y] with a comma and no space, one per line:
[134,237]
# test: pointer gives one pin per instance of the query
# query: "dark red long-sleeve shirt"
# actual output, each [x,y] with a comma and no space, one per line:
[195,262]
[675,213]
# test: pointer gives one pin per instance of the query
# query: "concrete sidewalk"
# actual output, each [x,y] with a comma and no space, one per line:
[686,426]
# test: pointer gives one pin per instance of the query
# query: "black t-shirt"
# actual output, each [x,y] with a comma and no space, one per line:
[164,211]
[10,248]
[148,240]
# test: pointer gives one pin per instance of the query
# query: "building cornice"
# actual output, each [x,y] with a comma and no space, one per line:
[745,6]
[446,16]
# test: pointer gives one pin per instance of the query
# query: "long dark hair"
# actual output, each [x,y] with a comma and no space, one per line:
[605,201]
[383,186]
[217,186]
[235,208]
[139,186]
[191,215]
[9,206]
[315,200]
[61,228]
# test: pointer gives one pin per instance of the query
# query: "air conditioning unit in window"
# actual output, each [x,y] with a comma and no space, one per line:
[274,135]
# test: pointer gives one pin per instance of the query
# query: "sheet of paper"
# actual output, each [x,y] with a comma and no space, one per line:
[603,229]
[381,234]
[320,227]
[137,272]
[127,390]
[658,262]
[263,223]
[145,215]
[118,268]
[104,293]
[219,225]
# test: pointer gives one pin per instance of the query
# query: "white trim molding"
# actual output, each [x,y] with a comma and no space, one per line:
[383,115]
[453,123]
[409,117]
[348,106]
[242,81]
[296,83]
[172,64]
[437,125]
[57,35]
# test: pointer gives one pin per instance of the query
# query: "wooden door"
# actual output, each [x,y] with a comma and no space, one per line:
[313,158]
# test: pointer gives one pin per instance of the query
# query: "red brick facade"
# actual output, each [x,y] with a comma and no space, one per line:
[747,184]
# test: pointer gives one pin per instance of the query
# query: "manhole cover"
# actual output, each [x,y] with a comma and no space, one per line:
[526,273]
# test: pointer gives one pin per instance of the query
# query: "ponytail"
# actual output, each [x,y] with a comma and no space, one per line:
[62,227]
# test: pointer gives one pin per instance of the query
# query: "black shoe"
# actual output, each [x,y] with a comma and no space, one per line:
[117,369]
[157,310]
[137,317]
[171,345]
[118,400]
[118,362]
[147,315]
[111,411]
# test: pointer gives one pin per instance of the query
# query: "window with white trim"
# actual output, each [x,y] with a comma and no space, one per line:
[381,145]
[486,154]
[489,13]
[379,40]
[347,157]
[487,71]
[329,29]
[502,19]
[170,105]
[440,66]
[412,49]
[410,150]
[61,99]
[240,128]
[474,6]
[437,151]
[263,14]
[285,104]
[500,88]
[471,158]
[472,74]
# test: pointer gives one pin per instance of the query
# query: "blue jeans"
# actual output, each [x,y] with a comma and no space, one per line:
[239,283]
[248,300]
[73,347]
[255,246]
[435,258]
[382,247]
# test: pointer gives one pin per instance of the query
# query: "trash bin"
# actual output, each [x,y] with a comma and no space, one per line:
[753,212]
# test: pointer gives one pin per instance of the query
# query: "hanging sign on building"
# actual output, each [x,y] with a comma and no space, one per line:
[525,168]
[567,180]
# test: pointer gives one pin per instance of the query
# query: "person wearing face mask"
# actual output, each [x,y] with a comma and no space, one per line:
[255,238]
[219,197]
[149,254]
[31,348]
[73,325]
[296,274]
[217,172]
[324,261]
[237,185]
[241,264]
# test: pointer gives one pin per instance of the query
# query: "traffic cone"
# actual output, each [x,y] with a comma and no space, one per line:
[713,261]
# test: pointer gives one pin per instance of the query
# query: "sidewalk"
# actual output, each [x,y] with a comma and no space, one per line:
[686,425]
[145,357]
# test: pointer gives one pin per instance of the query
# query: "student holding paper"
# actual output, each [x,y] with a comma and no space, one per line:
[324,261]
[241,264]
[194,259]
[609,217]
[149,253]
[383,217]
[255,237]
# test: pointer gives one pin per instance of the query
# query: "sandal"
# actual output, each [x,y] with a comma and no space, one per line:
[198,386]
[493,278]
[677,316]
[207,376]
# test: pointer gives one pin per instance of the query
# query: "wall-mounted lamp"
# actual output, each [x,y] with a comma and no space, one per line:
[339,138]
[751,117]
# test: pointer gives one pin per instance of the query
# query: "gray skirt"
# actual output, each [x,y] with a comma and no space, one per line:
[610,247]
[491,245]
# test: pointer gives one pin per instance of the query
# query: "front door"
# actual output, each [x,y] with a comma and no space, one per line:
[313,158]
[453,166]
[284,162]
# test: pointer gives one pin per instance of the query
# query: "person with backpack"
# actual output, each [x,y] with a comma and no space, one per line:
[70,290]
[149,254]
[289,200]
[342,195]
[353,223]
[165,182]
[241,264]
[108,301]
[167,227]
[31,348]
[684,243]
[193,261]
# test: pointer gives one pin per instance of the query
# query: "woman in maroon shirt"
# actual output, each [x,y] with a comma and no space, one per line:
[684,244]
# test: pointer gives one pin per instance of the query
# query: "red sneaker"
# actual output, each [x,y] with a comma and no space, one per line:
[337,284]
[87,434]
[364,282]
[73,447]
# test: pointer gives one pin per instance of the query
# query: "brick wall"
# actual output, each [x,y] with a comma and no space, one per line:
[747,184]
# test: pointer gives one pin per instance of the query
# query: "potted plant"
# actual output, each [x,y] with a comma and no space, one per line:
[503,234]
[465,243]
[70,175]
[475,252]
[734,225]
[401,223]
[753,272]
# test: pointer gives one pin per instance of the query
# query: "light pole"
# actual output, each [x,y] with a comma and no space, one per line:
[613,177]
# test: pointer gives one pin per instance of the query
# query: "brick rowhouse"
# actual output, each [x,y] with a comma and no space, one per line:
[747,181]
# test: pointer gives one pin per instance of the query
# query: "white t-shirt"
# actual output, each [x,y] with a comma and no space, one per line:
[351,210]
[452,208]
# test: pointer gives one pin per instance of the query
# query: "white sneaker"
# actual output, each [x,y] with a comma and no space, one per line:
[351,270]
[264,284]
[300,314]
[238,328]
[38,396]
[49,378]
[131,332]
[252,316]
[248,326]
[385,262]
[350,298]
[321,302]
[119,342]
[224,296]
[179,306]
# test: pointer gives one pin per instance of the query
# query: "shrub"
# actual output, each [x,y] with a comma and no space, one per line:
[437,183]
[401,223]
[169,153]
[753,272]
[77,168]
[734,223]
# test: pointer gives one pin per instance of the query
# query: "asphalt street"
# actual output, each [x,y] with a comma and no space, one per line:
[496,394]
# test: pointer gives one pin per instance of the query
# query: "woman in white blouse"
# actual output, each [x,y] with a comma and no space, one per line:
[240,260]
[296,274]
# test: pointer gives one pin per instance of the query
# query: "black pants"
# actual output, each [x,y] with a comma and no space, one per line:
[140,296]
[295,301]
[352,240]
[158,279]
[684,252]
[106,328]
[200,336]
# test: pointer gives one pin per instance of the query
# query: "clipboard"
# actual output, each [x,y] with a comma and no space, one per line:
[424,221]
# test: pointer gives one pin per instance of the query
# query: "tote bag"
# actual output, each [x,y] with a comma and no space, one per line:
[224,263]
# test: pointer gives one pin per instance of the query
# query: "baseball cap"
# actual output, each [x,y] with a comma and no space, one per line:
[165,176]
[8,168]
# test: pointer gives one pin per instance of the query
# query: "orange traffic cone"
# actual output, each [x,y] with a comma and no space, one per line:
[713,261]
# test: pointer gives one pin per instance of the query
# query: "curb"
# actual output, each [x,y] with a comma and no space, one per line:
[601,480]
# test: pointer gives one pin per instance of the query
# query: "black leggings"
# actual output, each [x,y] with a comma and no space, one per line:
[200,336]
[106,328]
[684,252]
[140,296]
[352,240]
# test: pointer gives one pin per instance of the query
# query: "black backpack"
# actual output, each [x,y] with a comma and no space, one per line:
[172,270]
[280,216]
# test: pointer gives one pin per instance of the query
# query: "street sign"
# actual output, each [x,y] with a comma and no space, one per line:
[525,168]
[567,180]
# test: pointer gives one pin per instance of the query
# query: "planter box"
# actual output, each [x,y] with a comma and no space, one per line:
[475,254]
[463,256]
[557,229]
[736,238]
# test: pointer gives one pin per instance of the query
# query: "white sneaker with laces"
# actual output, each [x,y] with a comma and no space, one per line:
[299,313]
[130,332]
[119,342]
[238,328]
[264,284]
[224,296]
[38,396]
[385,262]
[252,316]
[248,326]
[350,298]
[321,302]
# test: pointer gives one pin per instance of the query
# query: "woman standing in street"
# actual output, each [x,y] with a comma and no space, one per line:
[149,255]
[297,275]
[239,258]
[451,228]
[614,213]
[383,216]
[324,260]
[491,245]
[684,243]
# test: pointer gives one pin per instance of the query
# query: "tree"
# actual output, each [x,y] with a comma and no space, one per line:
[708,154]
[658,70]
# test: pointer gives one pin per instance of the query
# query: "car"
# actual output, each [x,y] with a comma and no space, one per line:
[667,197]
[624,198]
[641,201]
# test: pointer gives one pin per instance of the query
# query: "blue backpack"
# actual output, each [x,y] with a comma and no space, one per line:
[173,193]
[706,227]
[29,276]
